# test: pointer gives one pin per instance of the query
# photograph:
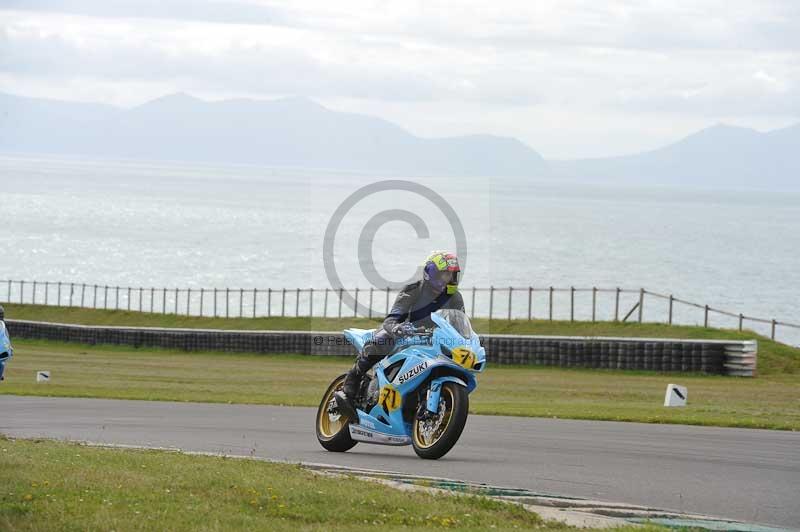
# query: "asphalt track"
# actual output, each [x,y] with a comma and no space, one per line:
[745,474]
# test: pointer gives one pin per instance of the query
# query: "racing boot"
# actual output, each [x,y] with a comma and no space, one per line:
[347,397]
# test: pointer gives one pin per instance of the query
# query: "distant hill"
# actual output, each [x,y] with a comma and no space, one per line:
[287,132]
[718,155]
[299,132]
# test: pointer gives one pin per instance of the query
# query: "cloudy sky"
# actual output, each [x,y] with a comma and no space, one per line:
[572,78]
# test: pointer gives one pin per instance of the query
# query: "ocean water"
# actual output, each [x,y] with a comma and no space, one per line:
[124,223]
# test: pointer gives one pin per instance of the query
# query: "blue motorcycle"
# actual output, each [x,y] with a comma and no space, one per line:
[418,395]
[6,352]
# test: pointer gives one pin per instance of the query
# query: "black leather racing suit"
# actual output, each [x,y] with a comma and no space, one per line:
[415,303]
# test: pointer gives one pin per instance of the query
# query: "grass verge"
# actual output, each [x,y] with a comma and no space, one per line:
[52,486]
[771,401]
[774,358]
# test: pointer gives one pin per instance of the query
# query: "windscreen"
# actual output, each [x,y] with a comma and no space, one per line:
[458,320]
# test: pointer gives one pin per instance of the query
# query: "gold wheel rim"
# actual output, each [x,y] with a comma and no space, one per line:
[419,438]
[329,427]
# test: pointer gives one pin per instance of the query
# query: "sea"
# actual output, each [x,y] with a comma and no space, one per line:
[192,226]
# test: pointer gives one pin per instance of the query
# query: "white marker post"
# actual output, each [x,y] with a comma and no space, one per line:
[676,395]
[42,376]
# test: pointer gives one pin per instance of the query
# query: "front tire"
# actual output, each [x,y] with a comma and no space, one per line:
[333,427]
[433,438]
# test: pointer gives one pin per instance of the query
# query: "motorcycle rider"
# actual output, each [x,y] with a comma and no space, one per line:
[412,308]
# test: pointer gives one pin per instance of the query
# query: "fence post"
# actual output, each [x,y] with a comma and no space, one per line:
[340,301]
[227,302]
[741,319]
[283,302]
[510,292]
[176,301]
[616,306]
[550,306]
[116,298]
[71,292]
[21,291]
[369,312]
[530,302]
[355,307]
[641,303]
[202,295]
[58,304]
[297,303]
[269,302]
[241,302]
[705,317]
[215,302]
[105,297]
[472,308]
[46,290]
[34,293]
[164,300]
[310,302]
[188,301]
[83,294]
[325,310]
[491,301]
[129,298]
[571,303]
[140,299]
[386,313]
[255,299]
[773,330]
[152,297]
[9,291]
[594,304]
[671,299]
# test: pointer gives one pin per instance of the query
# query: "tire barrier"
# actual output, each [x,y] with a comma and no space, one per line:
[725,357]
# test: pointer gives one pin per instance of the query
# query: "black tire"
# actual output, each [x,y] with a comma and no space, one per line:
[457,401]
[335,438]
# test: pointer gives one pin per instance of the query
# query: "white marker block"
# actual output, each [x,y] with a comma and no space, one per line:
[676,395]
[42,376]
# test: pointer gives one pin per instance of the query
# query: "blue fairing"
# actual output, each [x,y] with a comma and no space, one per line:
[6,351]
[358,337]
[427,363]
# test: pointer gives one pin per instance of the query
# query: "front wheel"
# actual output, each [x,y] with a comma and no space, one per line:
[433,437]
[333,427]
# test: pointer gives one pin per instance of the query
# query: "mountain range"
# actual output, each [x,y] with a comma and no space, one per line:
[299,132]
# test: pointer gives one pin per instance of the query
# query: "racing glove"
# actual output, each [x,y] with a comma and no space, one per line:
[403,329]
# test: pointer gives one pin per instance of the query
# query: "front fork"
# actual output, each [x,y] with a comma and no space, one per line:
[434,393]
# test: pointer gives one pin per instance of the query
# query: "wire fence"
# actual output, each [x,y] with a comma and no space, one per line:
[526,303]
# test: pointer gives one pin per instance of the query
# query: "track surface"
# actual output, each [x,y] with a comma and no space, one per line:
[745,474]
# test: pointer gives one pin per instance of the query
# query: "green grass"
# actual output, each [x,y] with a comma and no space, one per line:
[771,401]
[49,486]
[774,358]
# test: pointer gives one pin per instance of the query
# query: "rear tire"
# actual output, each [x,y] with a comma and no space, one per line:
[455,401]
[333,433]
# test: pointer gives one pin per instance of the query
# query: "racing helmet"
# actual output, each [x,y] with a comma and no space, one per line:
[441,271]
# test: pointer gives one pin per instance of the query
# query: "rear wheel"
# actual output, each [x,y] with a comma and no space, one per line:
[433,437]
[333,430]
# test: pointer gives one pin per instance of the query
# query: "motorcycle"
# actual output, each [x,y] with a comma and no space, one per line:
[6,352]
[418,395]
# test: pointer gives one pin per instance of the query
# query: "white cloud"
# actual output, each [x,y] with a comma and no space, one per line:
[520,68]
